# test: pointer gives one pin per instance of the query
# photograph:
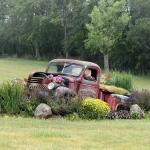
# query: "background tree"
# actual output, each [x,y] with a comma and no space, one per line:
[36,29]
[132,51]
[108,21]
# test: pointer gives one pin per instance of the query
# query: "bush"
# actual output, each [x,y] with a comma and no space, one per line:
[120,79]
[28,106]
[62,106]
[73,116]
[11,96]
[135,116]
[122,114]
[93,109]
[142,98]
[13,100]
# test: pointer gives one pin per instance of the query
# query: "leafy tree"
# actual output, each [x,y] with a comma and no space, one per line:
[132,51]
[138,36]
[77,15]
[108,21]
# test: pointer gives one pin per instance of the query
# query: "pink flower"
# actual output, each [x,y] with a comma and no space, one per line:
[58,79]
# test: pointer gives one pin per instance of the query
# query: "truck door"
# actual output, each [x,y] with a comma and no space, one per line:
[89,85]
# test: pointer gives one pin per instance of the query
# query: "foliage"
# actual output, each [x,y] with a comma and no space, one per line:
[135,116]
[108,21]
[64,106]
[14,102]
[11,97]
[107,24]
[93,109]
[73,117]
[142,98]
[138,35]
[122,114]
[28,106]
[37,29]
[132,51]
[44,28]
[121,79]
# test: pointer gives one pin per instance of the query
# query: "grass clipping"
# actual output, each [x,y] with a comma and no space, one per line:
[114,89]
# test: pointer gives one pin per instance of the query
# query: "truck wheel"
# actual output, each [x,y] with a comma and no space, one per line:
[122,112]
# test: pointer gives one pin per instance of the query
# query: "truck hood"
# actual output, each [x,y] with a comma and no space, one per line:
[43,75]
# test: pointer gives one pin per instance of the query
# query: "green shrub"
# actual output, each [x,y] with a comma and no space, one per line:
[14,102]
[11,95]
[73,116]
[28,106]
[93,109]
[122,114]
[62,106]
[142,98]
[135,116]
[120,79]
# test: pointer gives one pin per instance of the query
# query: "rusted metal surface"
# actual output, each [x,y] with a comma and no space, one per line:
[79,62]
[39,90]
[35,79]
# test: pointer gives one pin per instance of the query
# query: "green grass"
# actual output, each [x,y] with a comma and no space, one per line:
[58,134]
[142,82]
[11,68]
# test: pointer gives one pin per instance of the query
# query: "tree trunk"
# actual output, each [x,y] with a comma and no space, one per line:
[106,63]
[3,52]
[65,27]
[67,54]
[37,53]
[65,39]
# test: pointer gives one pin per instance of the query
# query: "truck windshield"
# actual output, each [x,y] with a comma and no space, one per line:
[65,68]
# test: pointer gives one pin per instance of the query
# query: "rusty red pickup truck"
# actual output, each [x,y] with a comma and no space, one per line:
[65,77]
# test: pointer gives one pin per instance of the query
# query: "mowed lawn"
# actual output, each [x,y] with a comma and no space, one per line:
[61,134]
[141,82]
[11,68]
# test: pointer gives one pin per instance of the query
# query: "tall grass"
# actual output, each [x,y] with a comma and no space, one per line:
[13,100]
[121,79]
[11,96]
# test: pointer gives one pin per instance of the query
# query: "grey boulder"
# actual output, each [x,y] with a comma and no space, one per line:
[136,109]
[43,111]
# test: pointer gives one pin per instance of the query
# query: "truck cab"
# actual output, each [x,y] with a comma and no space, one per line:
[80,76]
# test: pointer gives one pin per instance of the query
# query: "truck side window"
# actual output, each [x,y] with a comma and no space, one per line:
[90,74]
[94,74]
